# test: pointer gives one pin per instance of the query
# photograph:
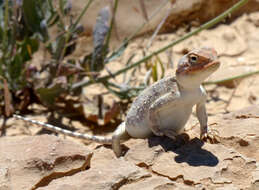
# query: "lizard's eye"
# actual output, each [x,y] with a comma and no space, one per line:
[193,58]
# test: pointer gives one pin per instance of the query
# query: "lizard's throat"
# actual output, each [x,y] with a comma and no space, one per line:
[187,82]
[187,86]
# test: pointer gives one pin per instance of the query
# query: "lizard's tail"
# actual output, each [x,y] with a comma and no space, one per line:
[99,139]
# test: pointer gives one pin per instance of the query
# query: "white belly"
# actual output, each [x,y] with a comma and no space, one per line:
[174,118]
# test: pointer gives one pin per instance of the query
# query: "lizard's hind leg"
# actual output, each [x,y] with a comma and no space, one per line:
[119,136]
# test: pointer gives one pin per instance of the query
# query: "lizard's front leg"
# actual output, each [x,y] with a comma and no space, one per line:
[161,103]
[203,120]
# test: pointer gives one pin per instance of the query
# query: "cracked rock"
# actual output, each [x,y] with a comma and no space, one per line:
[32,162]
[239,130]
[106,172]
[213,162]
[156,183]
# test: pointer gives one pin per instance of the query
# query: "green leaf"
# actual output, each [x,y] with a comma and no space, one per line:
[154,72]
[161,66]
[65,6]
[48,95]
[15,67]
[116,53]
[58,47]
[35,17]
[27,47]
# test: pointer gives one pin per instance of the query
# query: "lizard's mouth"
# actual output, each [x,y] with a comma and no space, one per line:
[213,65]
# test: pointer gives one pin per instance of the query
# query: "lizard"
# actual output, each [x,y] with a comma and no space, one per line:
[163,108]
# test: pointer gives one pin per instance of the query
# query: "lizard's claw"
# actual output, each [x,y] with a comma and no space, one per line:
[170,133]
[157,131]
[211,136]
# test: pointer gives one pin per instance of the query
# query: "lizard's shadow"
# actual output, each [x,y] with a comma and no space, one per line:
[189,151]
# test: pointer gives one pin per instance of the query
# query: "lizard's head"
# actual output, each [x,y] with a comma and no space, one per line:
[196,66]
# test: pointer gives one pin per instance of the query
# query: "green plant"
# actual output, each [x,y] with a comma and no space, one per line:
[16,47]
[24,26]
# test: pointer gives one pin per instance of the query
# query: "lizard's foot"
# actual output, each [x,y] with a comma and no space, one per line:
[170,133]
[157,131]
[210,135]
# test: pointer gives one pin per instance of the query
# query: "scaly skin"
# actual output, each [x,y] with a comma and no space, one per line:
[164,107]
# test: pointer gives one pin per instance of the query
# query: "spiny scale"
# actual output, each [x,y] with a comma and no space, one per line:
[56,129]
